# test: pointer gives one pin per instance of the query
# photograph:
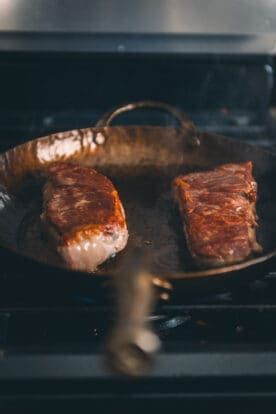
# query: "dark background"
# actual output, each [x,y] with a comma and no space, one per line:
[42,93]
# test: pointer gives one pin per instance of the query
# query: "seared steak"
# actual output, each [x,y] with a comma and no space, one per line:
[218,211]
[83,215]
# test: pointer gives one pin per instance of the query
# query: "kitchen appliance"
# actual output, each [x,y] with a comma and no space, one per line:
[56,75]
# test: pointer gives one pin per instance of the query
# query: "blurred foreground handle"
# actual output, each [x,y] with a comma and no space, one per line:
[132,342]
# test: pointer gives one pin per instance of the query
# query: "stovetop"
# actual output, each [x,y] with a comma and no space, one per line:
[53,332]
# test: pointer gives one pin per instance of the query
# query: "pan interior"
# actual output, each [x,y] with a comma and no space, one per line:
[152,218]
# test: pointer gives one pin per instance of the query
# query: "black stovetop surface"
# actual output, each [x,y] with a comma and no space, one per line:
[216,346]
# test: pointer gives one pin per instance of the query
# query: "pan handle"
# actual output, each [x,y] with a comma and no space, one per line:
[132,343]
[185,123]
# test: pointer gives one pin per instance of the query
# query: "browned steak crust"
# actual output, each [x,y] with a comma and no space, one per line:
[83,215]
[218,210]
[79,199]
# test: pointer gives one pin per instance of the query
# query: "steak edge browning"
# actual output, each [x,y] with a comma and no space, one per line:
[219,214]
[82,215]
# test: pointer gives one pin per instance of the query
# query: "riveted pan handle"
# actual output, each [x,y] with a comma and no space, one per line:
[132,343]
[184,122]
